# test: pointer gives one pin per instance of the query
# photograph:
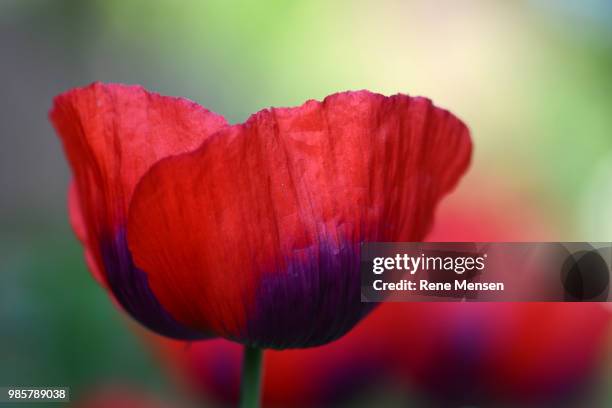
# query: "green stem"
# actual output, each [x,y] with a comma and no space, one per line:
[250,389]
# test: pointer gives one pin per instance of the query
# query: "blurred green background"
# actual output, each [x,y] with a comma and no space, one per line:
[532,79]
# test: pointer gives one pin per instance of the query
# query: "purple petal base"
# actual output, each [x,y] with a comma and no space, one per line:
[131,289]
[317,299]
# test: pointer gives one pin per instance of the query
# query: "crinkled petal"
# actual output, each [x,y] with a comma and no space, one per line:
[256,235]
[112,134]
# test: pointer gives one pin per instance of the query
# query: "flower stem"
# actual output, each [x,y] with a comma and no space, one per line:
[250,388]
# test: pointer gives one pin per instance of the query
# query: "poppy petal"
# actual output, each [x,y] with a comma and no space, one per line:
[112,134]
[80,230]
[256,235]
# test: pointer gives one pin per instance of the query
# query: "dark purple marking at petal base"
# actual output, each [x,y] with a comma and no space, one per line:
[130,286]
[317,299]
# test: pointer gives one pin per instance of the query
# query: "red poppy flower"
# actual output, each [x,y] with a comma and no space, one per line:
[250,232]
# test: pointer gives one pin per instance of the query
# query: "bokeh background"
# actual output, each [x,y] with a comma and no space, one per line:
[532,79]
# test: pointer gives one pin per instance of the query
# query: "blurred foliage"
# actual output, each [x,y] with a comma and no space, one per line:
[60,327]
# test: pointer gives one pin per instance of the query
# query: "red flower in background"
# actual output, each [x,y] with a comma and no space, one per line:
[448,354]
[445,354]
[539,354]
[250,232]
